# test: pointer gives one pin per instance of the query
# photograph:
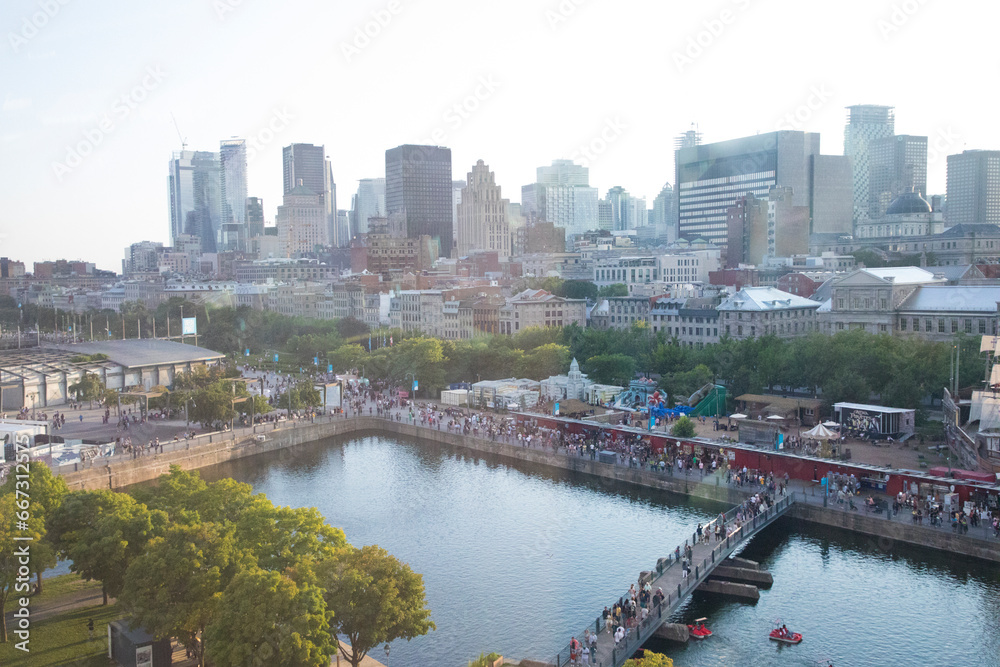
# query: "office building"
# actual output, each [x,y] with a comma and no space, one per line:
[368,202]
[711,177]
[562,195]
[831,203]
[866,123]
[973,188]
[665,214]
[898,166]
[302,223]
[308,163]
[482,215]
[195,195]
[255,217]
[769,227]
[418,186]
[233,163]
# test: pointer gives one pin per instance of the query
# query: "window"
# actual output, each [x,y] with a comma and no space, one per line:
[840,304]
[885,304]
[941,326]
[982,326]
[968,326]
[840,326]
[954,326]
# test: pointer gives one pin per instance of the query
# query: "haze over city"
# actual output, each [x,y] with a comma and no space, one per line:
[517,84]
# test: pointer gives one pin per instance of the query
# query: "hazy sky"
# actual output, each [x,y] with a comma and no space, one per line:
[532,80]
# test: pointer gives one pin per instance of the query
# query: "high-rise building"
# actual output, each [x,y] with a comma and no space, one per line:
[898,164]
[973,188]
[233,162]
[309,164]
[711,177]
[142,257]
[831,199]
[562,194]
[482,215]
[665,214]
[418,186]
[195,195]
[255,217]
[866,123]
[368,202]
[769,227]
[627,212]
[302,222]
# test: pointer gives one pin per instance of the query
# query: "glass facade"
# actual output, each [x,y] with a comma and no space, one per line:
[418,185]
[195,184]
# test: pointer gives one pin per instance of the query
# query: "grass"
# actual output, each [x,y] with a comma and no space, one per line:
[64,584]
[62,641]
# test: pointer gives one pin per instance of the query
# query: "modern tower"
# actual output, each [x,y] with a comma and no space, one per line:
[561,194]
[898,165]
[973,188]
[195,195]
[309,164]
[711,177]
[368,202]
[233,162]
[866,123]
[482,215]
[255,217]
[418,187]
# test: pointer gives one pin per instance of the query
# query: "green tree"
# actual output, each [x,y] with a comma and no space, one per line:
[47,492]
[102,533]
[617,289]
[174,589]
[89,388]
[11,550]
[213,405]
[265,618]
[615,369]
[346,357]
[375,599]
[544,361]
[683,428]
[578,289]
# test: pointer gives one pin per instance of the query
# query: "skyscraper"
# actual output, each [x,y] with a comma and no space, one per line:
[302,222]
[233,162]
[562,195]
[665,213]
[195,195]
[973,188]
[898,165]
[309,164]
[866,123]
[482,215]
[368,202]
[255,217]
[711,177]
[418,187]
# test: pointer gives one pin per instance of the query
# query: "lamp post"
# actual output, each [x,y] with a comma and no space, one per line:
[386,655]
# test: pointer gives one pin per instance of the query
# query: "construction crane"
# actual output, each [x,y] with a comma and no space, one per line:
[183,140]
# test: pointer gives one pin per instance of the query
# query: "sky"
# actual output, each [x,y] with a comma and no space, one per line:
[90,92]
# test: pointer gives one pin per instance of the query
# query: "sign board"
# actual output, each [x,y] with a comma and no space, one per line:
[556,410]
[275,358]
[329,368]
[315,361]
[189,326]
[144,656]
[416,385]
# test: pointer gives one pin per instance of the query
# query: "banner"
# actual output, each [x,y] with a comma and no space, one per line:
[189,326]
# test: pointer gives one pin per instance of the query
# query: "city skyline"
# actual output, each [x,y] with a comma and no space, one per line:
[115,93]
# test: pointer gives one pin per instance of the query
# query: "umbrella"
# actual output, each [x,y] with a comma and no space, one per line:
[738,416]
[819,432]
[830,424]
[776,417]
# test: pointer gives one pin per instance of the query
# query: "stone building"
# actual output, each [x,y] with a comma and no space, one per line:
[760,311]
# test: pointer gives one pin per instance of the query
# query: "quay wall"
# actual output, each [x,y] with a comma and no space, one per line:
[887,533]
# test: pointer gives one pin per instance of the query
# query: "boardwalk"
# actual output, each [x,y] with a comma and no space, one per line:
[676,587]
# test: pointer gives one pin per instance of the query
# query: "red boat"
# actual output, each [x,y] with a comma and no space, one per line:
[784,635]
[697,631]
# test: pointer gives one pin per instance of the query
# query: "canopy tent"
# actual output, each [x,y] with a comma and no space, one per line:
[776,417]
[830,424]
[738,416]
[819,432]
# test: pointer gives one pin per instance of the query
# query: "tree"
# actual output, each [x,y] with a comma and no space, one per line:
[578,289]
[265,618]
[683,428]
[650,659]
[12,549]
[618,289]
[545,361]
[174,589]
[102,533]
[89,388]
[374,598]
[346,357]
[212,405]
[615,369]
[47,492]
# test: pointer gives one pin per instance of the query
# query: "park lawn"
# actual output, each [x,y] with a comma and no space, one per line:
[61,641]
[64,584]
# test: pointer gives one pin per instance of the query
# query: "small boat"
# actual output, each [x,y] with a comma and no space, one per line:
[782,634]
[698,630]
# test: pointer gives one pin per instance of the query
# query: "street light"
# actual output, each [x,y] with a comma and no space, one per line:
[386,655]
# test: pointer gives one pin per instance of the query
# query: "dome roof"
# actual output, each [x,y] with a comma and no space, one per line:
[908,203]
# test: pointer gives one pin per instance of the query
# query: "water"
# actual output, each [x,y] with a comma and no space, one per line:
[516,559]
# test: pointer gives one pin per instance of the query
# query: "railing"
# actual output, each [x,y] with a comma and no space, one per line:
[658,614]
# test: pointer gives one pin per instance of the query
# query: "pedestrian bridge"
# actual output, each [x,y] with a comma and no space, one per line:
[668,575]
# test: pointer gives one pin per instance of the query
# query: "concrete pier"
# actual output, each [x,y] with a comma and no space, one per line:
[743,575]
[675,632]
[730,589]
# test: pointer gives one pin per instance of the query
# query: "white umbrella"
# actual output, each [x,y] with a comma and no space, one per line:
[819,432]
[738,416]
[776,417]
[830,424]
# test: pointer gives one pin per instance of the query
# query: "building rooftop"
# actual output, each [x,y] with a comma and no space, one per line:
[904,275]
[143,352]
[765,299]
[908,203]
[954,298]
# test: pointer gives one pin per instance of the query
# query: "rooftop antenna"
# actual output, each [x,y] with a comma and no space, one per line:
[183,141]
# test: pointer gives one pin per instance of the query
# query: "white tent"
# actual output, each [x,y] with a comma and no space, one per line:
[819,432]
[738,416]
[830,424]
[776,417]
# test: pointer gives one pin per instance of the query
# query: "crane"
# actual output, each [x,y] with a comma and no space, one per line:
[183,140]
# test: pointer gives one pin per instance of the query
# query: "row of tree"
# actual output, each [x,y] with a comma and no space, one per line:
[236,579]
